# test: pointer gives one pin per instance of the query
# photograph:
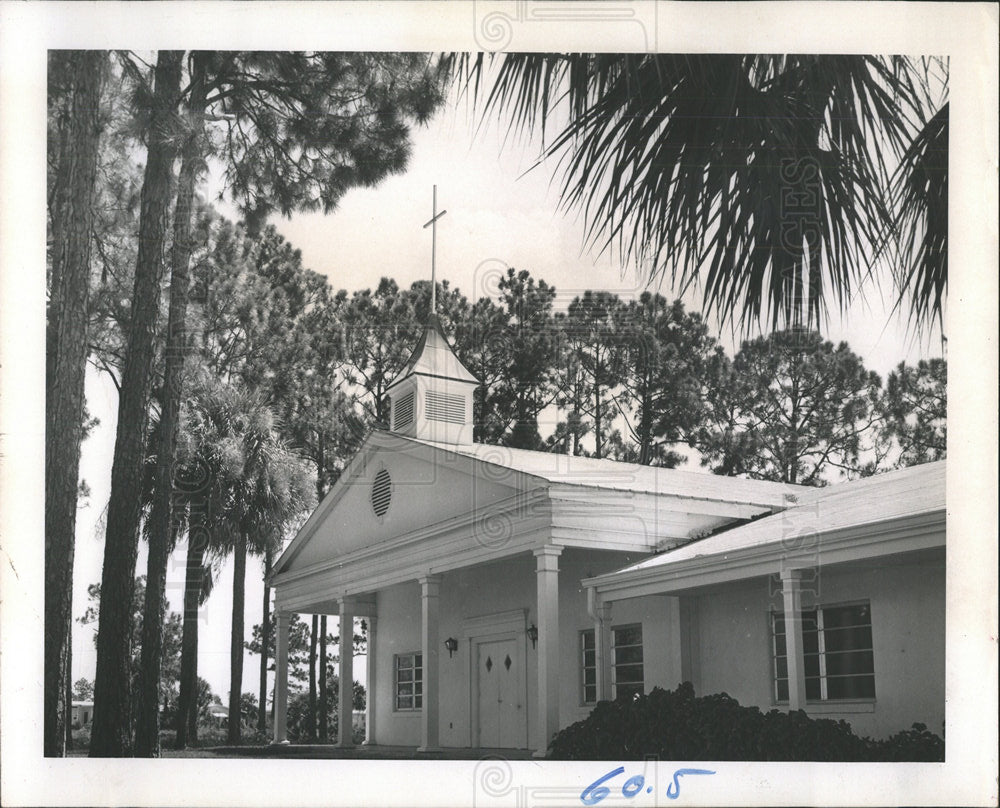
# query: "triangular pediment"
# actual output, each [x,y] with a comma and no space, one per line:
[397,487]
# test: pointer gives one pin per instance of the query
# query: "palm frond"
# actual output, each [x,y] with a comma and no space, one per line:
[762,180]
[920,195]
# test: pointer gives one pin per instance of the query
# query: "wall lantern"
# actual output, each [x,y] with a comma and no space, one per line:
[452,645]
[533,634]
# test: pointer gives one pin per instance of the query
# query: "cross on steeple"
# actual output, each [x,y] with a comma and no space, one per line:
[433,225]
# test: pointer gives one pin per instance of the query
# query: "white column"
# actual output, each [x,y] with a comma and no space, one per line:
[547,571]
[674,673]
[283,620]
[370,683]
[345,710]
[690,658]
[791,590]
[430,587]
[601,614]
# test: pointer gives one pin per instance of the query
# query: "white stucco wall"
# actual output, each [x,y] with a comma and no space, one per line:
[731,637]
[500,587]
[725,630]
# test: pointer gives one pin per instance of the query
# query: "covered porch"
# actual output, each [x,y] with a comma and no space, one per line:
[834,607]
[457,618]
[483,547]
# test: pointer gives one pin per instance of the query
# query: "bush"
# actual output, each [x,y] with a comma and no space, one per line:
[915,744]
[257,737]
[209,736]
[81,738]
[677,725]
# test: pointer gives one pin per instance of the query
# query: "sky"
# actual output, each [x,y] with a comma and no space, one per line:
[500,213]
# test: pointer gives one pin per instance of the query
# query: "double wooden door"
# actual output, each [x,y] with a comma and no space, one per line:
[502,713]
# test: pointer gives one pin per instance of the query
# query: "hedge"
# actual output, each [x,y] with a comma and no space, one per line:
[677,725]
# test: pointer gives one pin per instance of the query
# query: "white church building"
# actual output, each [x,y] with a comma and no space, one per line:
[508,591]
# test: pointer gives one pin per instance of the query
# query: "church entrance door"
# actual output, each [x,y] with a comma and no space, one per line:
[502,713]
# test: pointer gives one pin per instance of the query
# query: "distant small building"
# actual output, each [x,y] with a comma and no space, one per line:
[83,713]
[218,714]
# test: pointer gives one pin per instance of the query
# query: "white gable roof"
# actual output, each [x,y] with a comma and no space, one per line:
[612,475]
[908,492]
[449,496]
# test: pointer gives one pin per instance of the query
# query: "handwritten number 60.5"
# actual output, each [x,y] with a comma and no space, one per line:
[596,791]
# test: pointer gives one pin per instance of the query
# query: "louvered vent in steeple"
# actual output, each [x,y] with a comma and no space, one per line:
[444,407]
[402,411]
[432,398]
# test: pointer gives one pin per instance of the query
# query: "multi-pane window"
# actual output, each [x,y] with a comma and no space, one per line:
[837,649]
[409,681]
[627,677]
[588,666]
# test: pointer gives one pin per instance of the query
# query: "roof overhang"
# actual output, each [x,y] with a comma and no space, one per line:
[891,537]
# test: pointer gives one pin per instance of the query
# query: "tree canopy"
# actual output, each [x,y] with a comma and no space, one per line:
[790,407]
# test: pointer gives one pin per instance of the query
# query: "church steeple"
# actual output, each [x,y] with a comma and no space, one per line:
[432,398]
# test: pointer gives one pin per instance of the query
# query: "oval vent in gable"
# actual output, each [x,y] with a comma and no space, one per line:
[381,492]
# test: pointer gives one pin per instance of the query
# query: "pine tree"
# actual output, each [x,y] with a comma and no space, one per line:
[161,517]
[76,78]
[792,408]
[112,729]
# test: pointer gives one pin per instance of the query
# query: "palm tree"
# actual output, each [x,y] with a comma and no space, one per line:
[772,182]
[272,488]
[208,455]
[198,583]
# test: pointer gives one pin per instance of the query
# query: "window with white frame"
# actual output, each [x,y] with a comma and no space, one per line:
[588,667]
[627,672]
[838,657]
[409,681]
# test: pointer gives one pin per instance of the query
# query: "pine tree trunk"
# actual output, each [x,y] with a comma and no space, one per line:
[112,691]
[236,640]
[192,715]
[65,366]
[147,740]
[311,718]
[324,723]
[598,420]
[197,542]
[69,690]
[578,420]
[265,644]
[646,426]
